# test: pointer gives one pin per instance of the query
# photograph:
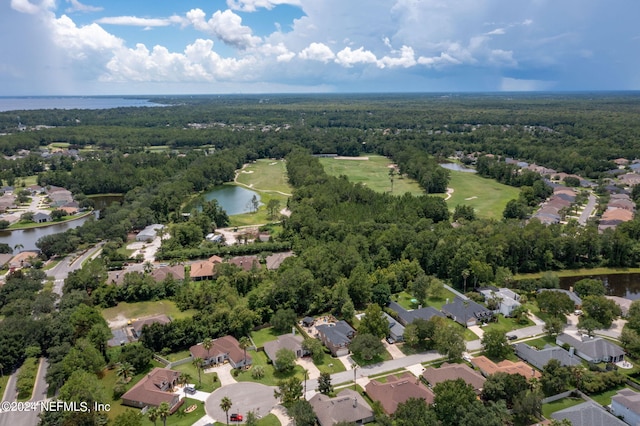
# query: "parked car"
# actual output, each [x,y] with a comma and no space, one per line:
[235,417]
[190,390]
[512,337]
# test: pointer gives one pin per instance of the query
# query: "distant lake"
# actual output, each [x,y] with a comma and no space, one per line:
[65,102]
[233,199]
[28,237]
[457,167]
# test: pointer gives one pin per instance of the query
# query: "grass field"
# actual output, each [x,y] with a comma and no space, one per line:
[143,309]
[374,173]
[269,179]
[561,404]
[271,376]
[580,272]
[486,196]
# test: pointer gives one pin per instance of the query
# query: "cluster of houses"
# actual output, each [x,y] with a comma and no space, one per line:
[557,206]
[620,208]
[57,198]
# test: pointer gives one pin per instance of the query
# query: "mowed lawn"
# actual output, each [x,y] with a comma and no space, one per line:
[143,309]
[265,175]
[486,196]
[374,173]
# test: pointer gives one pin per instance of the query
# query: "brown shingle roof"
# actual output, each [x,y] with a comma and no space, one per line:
[201,269]
[489,367]
[245,262]
[452,372]
[161,273]
[347,406]
[227,345]
[138,324]
[148,390]
[397,391]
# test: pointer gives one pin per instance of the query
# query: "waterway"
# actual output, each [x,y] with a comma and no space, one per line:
[622,285]
[69,102]
[233,199]
[28,237]
[457,167]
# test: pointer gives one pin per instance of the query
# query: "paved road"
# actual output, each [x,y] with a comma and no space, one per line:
[69,264]
[26,418]
[588,210]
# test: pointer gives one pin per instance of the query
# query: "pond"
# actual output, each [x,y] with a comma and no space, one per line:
[622,285]
[28,237]
[233,199]
[457,167]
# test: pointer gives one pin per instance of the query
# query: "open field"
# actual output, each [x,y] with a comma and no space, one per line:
[486,196]
[143,309]
[265,175]
[374,173]
[580,272]
[561,404]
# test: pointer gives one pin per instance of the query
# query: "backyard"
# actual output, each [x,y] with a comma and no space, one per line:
[126,311]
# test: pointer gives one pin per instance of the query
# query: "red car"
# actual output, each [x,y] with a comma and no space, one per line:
[235,417]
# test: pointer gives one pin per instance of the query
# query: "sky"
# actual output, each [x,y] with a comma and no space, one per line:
[155,47]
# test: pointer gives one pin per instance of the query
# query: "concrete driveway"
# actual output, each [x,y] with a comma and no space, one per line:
[307,364]
[224,374]
[245,397]
[393,350]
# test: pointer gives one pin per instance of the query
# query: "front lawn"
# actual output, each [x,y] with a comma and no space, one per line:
[330,365]
[271,376]
[385,356]
[209,383]
[541,342]
[506,325]
[268,420]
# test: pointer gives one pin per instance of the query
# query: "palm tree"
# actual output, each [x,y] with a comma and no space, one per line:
[164,411]
[465,275]
[207,344]
[197,363]
[125,371]
[244,343]
[153,415]
[184,378]
[18,247]
[148,267]
[225,405]
[305,372]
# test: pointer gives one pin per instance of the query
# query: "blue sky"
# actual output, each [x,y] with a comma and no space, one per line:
[113,47]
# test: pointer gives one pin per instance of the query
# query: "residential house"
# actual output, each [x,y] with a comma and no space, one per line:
[154,389]
[406,317]
[397,390]
[202,270]
[508,299]
[275,260]
[541,357]
[290,341]
[246,263]
[223,349]
[336,336]
[577,301]
[138,325]
[622,302]
[626,405]
[23,259]
[488,367]
[466,312]
[348,406]
[162,273]
[41,217]
[396,330]
[447,371]
[592,349]
[621,162]
[629,179]
[308,321]
[149,233]
[588,414]
[5,258]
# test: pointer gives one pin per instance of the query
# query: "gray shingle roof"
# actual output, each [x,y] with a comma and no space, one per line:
[540,357]
[464,310]
[595,348]
[407,317]
[347,406]
[339,334]
[588,414]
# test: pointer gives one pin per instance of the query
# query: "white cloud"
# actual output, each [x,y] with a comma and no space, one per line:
[25,6]
[497,31]
[80,42]
[347,57]
[254,5]
[501,57]
[406,59]
[138,22]
[227,26]
[317,52]
[279,50]
[76,6]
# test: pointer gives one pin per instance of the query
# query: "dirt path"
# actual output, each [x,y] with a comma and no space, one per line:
[235,180]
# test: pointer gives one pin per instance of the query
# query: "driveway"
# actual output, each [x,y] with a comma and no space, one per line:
[393,350]
[224,374]
[307,364]
[245,397]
